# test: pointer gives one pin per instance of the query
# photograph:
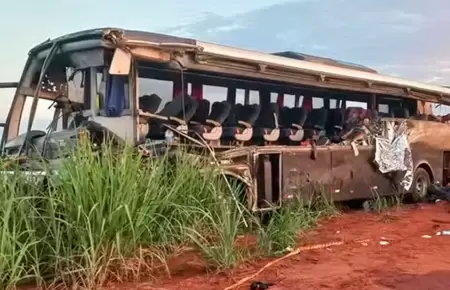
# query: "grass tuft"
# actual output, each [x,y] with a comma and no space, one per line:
[114,216]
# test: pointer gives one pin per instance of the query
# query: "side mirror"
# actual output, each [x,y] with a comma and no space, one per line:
[121,62]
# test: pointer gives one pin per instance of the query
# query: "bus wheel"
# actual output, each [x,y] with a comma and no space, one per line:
[421,182]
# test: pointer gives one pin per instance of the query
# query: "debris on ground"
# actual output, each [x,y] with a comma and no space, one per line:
[443,233]
[293,253]
[437,193]
[409,262]
[260,285]
[384,243]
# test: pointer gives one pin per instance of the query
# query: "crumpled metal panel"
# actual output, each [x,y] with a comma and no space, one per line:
[393,153]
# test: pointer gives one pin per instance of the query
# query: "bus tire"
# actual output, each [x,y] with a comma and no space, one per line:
[421,182]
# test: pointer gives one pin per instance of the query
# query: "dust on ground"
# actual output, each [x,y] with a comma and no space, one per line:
[408,261]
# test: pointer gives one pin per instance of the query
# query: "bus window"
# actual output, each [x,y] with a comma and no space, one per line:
[317,102]
[240,96]
[273,97]
[164,89]
[76,86]
[254,97]
[383,108]
[289,100]
[43,118]
[298,101]
[356,104]
[214,93]
[440,109]
[333,103]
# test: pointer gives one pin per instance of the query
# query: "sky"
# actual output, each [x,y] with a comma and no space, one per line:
[26,23]
[402,38]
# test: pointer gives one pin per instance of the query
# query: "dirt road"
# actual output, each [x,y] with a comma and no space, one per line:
[408,261]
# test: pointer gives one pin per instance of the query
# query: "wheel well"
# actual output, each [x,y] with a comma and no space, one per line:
[427,168]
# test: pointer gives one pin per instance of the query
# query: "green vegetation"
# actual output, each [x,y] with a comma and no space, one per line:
[119,217]
[380,204]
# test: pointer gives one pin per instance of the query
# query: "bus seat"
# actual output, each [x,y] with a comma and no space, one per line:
[298,119]
[202,112]
[315,123]
[267,124]
[177,112]
[231,120]
[285,117]
[335,124]
[285,123]
[293,121]
[150,103]
[400,112]
[244,117]
[115,96]
[211,129]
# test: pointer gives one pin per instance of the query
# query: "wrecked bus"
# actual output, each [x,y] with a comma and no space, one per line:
[278,123]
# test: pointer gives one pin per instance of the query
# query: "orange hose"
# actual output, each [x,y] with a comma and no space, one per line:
[293,253]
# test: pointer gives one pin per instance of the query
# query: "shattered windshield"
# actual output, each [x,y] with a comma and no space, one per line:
[76,85]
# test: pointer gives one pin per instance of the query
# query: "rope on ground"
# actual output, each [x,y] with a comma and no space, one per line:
[293,253]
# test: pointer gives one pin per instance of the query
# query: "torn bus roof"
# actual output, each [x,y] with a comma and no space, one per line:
[270,66]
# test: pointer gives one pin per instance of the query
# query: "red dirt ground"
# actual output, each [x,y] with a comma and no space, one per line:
[409,261]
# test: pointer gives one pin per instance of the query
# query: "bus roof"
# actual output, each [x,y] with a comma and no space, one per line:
[292,61]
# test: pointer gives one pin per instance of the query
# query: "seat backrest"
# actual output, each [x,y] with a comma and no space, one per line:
[317,118]
[298,115]
[183,108]
[268,116]
[172,108]
[190,107]
[149,103]
[249,113]
[232,118]
[220,111]
[285,117]
[335,118]
[202,111]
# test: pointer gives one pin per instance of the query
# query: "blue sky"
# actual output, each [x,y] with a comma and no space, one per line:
[403,37]
[25,23]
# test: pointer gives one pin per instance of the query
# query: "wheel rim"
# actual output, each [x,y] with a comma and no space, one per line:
[421,186]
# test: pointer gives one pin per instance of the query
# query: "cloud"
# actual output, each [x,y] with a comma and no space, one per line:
[434,79]
[226,28]
[402,37]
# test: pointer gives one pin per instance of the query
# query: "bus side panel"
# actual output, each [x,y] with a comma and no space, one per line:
[301,173]
[356,177]
[425,155]
[428,141]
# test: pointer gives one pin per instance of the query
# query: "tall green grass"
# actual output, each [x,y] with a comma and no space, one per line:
[116,216]
[281,232]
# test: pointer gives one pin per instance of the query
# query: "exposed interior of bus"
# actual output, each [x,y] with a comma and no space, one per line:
[156,104]
[220,109]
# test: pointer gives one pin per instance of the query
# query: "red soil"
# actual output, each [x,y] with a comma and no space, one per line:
[409,261]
